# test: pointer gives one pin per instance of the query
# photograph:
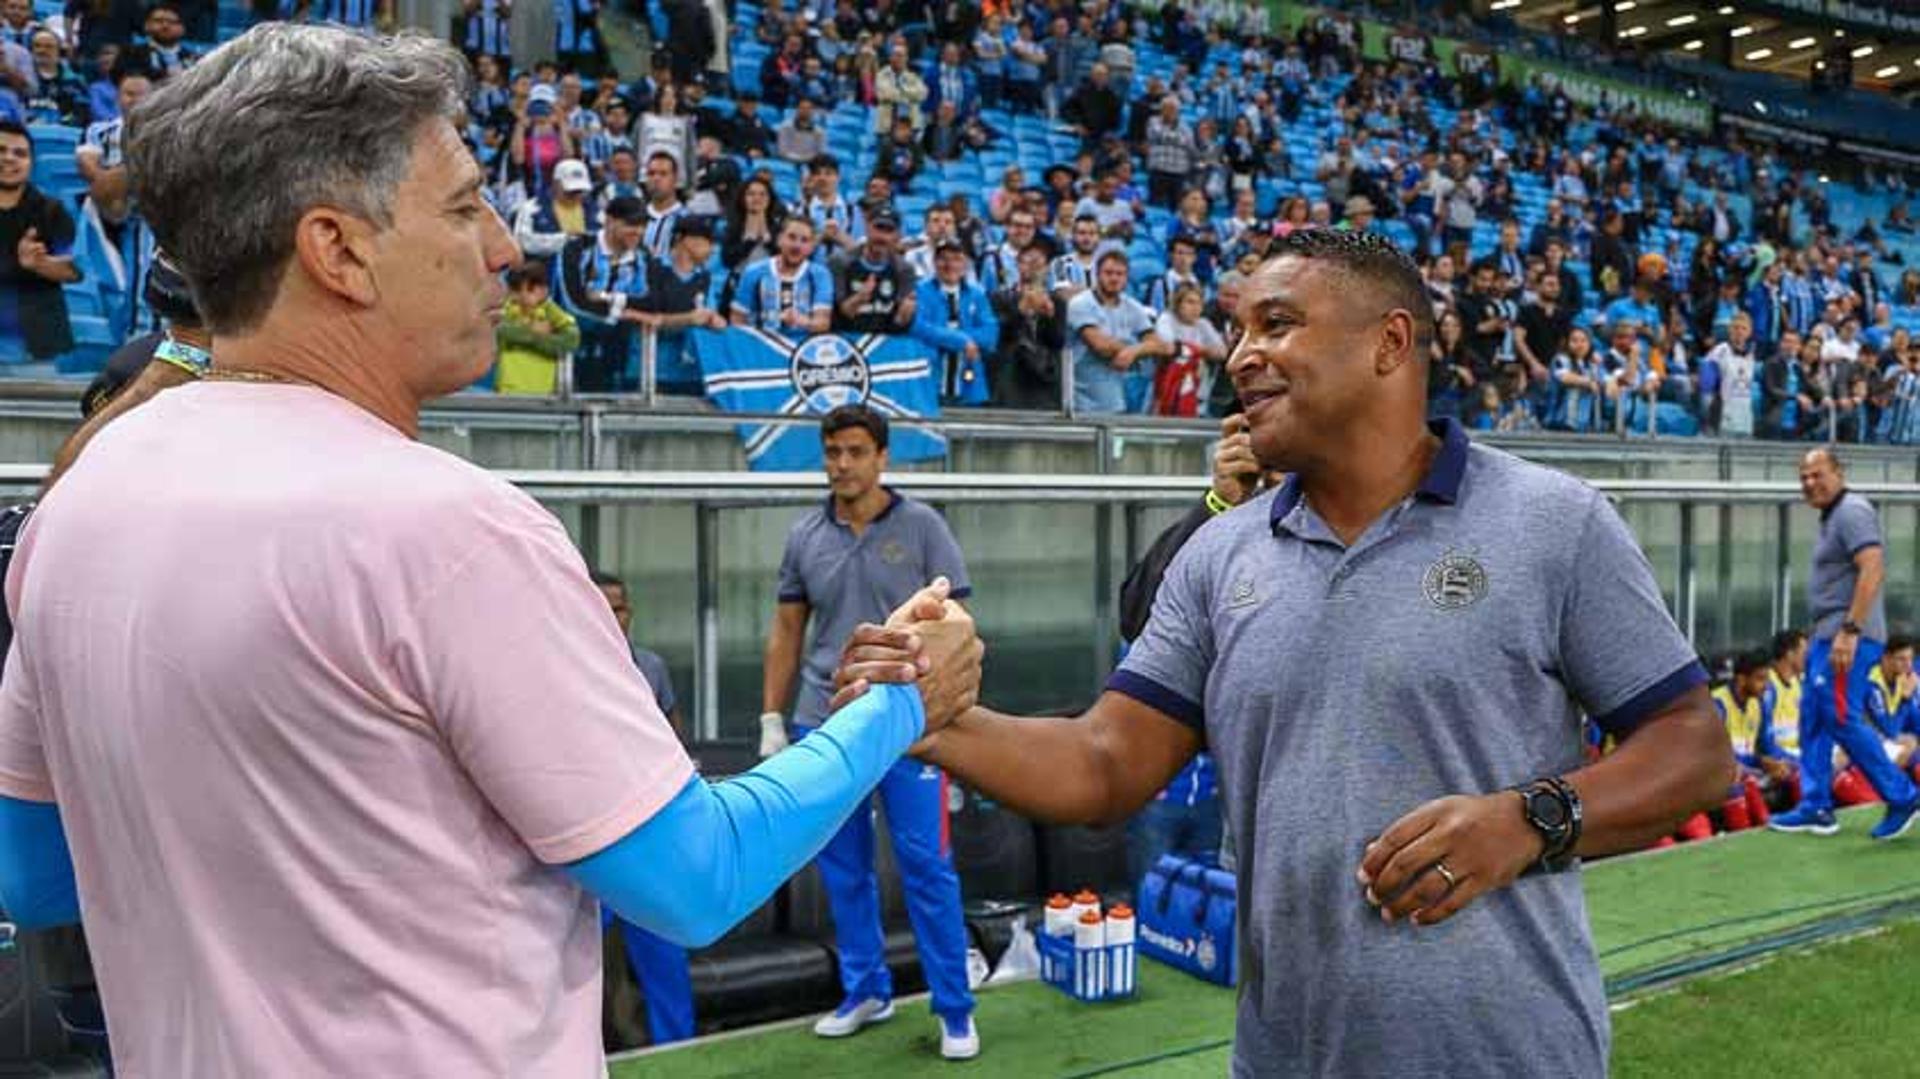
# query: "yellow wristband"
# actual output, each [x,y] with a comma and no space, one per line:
[1217,504]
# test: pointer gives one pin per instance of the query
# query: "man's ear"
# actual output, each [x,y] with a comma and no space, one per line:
[334,249]
[1396,343]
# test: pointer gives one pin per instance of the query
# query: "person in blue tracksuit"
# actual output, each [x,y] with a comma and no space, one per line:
[1850,630]
[847,564]
[659,965]
[953,315]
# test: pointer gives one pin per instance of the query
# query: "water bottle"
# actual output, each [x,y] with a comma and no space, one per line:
[1119,951]
[1089,949]
[1060,916]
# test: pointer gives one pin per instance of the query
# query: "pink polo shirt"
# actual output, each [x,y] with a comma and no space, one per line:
[323,707]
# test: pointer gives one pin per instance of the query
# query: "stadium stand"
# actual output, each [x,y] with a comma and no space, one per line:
[1347,124]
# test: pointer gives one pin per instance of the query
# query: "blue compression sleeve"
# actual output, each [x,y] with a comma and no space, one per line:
[717,851]
[37,889]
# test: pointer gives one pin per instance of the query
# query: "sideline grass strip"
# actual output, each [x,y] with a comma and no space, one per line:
[1648,912]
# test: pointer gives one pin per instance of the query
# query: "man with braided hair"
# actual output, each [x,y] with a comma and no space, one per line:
[1389,656]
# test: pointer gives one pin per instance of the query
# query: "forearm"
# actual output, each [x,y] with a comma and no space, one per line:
[782,664]
[37,887]
[1865,588]
[1047,768]
[718,851]
[59,270]
[1674,765]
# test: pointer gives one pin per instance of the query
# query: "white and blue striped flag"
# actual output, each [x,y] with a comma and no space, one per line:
[750,370]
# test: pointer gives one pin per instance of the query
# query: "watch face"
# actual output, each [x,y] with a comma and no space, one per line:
[1547,810]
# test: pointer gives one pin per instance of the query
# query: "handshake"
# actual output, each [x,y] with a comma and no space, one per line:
[929,641]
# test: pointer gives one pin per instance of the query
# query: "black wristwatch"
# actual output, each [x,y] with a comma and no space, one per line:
[1850,626]
[1552,807]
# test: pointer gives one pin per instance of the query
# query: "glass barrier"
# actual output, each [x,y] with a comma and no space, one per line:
[1047,556]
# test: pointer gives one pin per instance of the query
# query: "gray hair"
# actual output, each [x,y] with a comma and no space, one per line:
[225,158]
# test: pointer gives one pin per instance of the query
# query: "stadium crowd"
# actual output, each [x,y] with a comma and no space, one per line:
[1032,189]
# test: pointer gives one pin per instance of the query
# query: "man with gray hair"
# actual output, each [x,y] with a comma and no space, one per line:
[348,811]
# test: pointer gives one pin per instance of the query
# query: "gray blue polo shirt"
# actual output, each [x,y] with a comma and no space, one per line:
[1847,527]
[1454,648]
[848,579]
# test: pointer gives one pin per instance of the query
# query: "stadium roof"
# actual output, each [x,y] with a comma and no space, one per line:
[1877,44]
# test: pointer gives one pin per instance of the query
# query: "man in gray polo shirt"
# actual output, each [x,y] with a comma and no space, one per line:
[1112,340]
[1378,653]
[862,556]
[1849,635]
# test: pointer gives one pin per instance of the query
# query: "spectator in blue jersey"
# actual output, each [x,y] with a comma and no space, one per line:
[1194,222]
[1072,273]
[603,276]
[612,130]
[622,179]
[1180,274]
[1026,60]
[1639,308]
[543,225]
[60,94]
[956,318]
[576,29]
[1000,268]
[486,27]
[1115,215]
[165,55]
[950,81]
[17,24]
[664,209]
[839,224]
[103,97]
[98,155]
[679,284]
[1113,341]
[789,293]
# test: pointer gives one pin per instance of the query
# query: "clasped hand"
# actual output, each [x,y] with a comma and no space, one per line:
[929,641]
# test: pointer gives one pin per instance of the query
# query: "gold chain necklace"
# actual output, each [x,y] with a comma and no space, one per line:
[232,374]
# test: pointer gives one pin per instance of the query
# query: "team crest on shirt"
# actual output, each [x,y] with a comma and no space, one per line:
[1242,594]
[1454,582]
[892,553]
[828,372]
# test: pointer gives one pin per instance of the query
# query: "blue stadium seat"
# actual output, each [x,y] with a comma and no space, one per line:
[93,341]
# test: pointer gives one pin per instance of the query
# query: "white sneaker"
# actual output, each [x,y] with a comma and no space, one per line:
[850,1016]
[959,1040]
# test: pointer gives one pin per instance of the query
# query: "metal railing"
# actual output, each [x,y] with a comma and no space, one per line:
[1119,503]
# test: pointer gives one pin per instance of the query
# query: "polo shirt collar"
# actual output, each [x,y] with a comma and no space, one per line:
[1441,483]
[1833,505]
[893,502]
